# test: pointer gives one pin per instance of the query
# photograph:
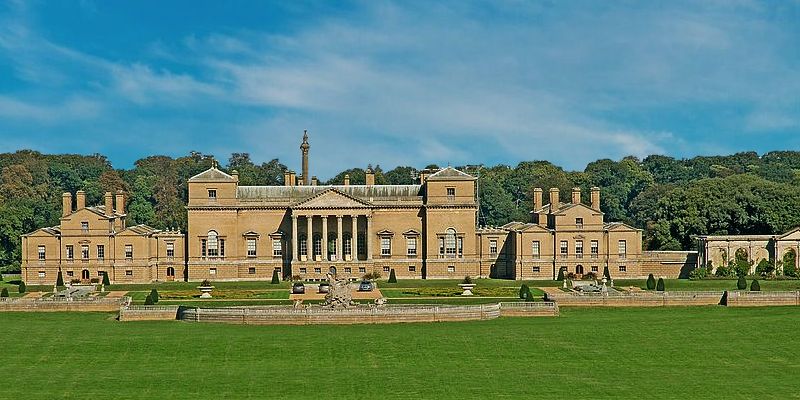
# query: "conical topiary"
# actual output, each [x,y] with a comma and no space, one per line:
[22,288]
[154,295]
[4,292]
[106,282]
[59,279]
[651,282]
[741,284]
[660,285]
[528,296]
[754,286]
[148,301]
[560,274]
[392,276]
[606,274]
[275,279]
[523,291]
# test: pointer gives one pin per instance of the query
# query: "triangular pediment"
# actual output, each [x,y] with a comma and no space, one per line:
[331,198]
[793,234]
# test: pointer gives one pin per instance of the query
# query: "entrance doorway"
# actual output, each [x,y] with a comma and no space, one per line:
[170,274]
[579,269]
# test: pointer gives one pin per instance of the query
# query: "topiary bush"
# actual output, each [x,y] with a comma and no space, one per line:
[467,280]
[275,279]
[651,282]
[4,292]
[148,301]
[106,282]
[528,296]
[754,286]
[392,276]
[154,295]
[606,274]
[560,274]
[660,285]
[22,288]
[741,284]
[59,279]
[523,291]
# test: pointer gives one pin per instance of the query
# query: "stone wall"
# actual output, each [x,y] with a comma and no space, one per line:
[644,299]
[529,309]
[62,305]
[148,313]
[759,299]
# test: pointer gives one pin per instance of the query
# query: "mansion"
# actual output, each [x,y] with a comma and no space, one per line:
[304,230]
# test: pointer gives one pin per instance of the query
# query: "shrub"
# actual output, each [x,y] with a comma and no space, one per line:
[606,274]
[275,279]
[754,286]
[741,284]
[154,295]
[94,280]
[660,285]
[467,280]
[4,293]
[392,276]
[571,275]
[205,282]
[106,282]
[523,291]
[699,273]
[765,268]
[296,278]
[590,276]
[1,277]
[372,276]
[651,282]
[22,287]
[560,274]
[528,296]
[60,279]
[148,301]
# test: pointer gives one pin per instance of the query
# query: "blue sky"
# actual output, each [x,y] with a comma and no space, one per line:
[400,83]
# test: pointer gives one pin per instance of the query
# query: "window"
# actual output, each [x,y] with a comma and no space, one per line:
[579,223]
[70,252]
[450,243]
[579,248]
[42,274]
[412,268]
[317,270]
[212,194]
[451,268]
[348,245]
[564,249]
[622,268]
[128,272]
[203,247]
[536,270]
[536,248]
[99,273]
[317,245]
[386,269]
[331,249]
[348,270]
[594,268]
[595,249]
[84,252]
[129,251]
[362,243]
[70,274]
[41,253]
[101,251]
[212,271]
[362,270]
[213,244]
[622,246]
[441,247]
[386,246]
[303,270]
[251,270]
[85,226]
[303,247]
[460,247]
[170,250]
[411,246]
[222,247]
[451,193]
[277,248]
[493,247]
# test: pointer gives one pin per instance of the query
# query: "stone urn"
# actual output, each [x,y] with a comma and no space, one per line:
[467,288]
[205,291]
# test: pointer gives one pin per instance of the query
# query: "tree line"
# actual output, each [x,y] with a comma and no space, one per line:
[671,199]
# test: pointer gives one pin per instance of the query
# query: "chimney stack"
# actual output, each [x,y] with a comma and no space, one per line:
[80,200]
[576,195]
[109,202]
[347,179]
[120,202]
[553,199]
[66,204]
[314,181]
[287,178]
[537,199]
[235,175]
[596,198]
[370,176]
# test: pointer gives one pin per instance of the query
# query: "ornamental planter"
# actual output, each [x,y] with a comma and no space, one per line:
[205,291]
[467,288]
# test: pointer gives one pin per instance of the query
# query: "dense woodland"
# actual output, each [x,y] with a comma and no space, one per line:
[670,199]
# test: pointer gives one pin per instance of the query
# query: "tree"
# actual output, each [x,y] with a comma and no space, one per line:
[154,295]
[148,301]
[741,284]
[22,288]
[392,276]
[106,281]
[790,264]
[4,292]
[523,291]
[765,268]
[59,279]
[275,279]
[660,285]
[560,274]
[651,282]
[754,286]
[606,274]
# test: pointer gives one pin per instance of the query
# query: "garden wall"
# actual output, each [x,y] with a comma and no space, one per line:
[633,299]
[148,313]
[529,309]
[62,305]
[759,299]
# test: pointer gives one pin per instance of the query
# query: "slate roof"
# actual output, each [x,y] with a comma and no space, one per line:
[450,174]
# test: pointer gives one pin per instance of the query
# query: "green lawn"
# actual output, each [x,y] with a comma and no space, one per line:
[680,353]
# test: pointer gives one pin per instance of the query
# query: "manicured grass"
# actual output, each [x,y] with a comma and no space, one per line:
[680,353]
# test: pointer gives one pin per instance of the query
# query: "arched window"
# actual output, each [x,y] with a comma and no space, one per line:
[213,244]
[317,245]
[170,272]
[348,244]
[450,242]
[332,239]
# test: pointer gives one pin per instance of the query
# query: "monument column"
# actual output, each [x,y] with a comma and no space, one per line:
[339,236]
[324,241]
[354,238]
[295,248]
[309,240]
[369,238]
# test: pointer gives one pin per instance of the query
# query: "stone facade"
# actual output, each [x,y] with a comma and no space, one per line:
[777,249]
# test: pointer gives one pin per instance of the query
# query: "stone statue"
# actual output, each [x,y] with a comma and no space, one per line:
[339,295]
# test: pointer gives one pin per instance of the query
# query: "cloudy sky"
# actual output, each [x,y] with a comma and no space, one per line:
[396,83]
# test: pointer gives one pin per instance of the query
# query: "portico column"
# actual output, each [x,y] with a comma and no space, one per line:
[369,237]
[295,249]
[339,243]
[324,237]
[354,238]
[309,240]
